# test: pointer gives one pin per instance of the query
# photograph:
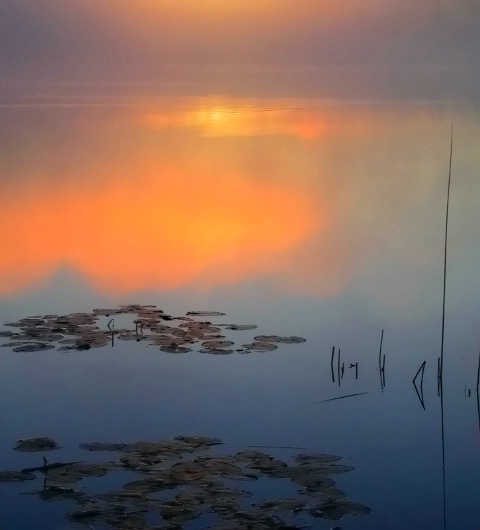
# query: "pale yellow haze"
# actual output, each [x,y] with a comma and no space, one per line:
[222,16]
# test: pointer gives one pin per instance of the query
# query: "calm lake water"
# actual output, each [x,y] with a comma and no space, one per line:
[313,218]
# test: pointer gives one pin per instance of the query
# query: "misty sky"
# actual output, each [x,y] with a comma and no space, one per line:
[426,48]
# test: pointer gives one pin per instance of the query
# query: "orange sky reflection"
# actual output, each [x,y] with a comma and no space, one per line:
[214,117]
[204,192]
[161,233]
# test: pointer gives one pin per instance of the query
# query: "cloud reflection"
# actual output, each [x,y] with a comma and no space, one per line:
[153,222]
[198,193]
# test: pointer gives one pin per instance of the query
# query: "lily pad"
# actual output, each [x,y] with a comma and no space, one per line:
[200,484]
[198,441]
[260,346]
[103,446]
[76,472]
[216,344]
[8,334]
[306,459]
[84,515]
[241,327]
[34,347]
[335,509]
[276,338]
[57,493]
[216,351]
[206,313]
[15,476]
[81,332]
[36,444]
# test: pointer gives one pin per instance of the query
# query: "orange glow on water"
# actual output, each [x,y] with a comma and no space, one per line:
[204,192]
[214,117]
[164,232]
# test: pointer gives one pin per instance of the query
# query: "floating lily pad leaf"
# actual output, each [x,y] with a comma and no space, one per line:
[213,460]
[15,476]
[197,441]
[129,521]
[152,485]
[325,468]
[216,351]
[292,340]
[34,347]
[80,331]
[36,444]
[123,497]
[311,483]
[230,471]
[255,519]
[315,458]
[224,493]
[14,344]
[77,472]
[139,463]
[206,313]
[260,346]
[251,456]
[292,505]
[85,514]
[106,312]
[8,334]
[103,446]
[178,512]
[333,493]
[335,509]
[241,327]
[57,493]
[145,448]
[269,466]
[200,486]
[184,472]
[212,336]
[215,344]
[276,338]
[50,337]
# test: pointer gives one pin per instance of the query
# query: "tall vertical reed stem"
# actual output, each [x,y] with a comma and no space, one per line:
[445,254]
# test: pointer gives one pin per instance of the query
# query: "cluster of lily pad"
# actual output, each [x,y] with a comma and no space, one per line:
[199,483]
[80,331]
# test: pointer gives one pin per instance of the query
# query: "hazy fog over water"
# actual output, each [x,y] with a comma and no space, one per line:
[344,48]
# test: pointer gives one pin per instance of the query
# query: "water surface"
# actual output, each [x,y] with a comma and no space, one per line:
[318,218]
